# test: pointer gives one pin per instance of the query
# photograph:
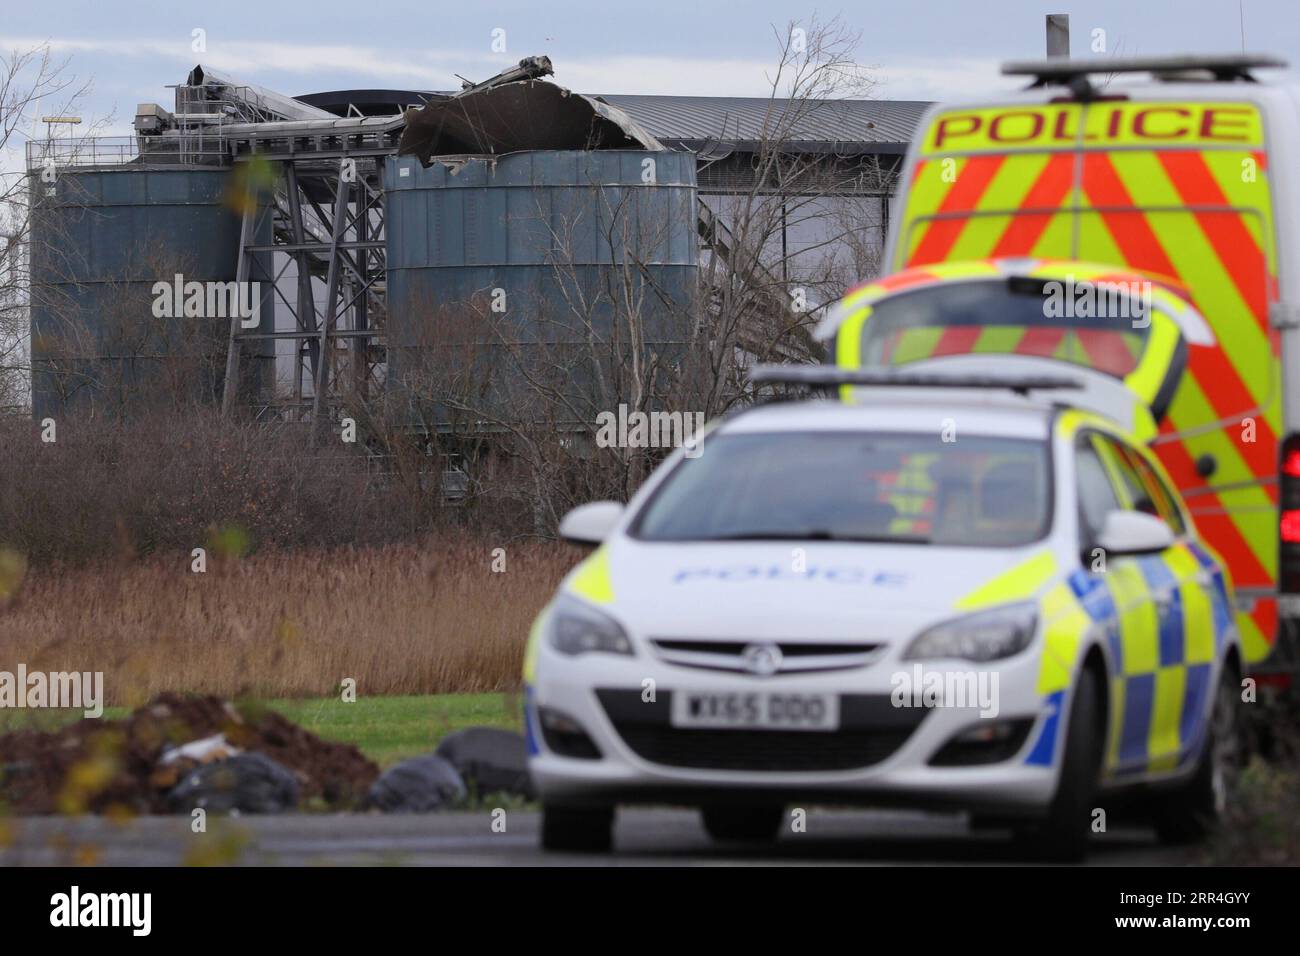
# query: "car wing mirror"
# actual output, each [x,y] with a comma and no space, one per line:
[591,523]
[1134,532]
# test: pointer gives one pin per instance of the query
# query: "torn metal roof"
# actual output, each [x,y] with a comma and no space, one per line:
[518,110]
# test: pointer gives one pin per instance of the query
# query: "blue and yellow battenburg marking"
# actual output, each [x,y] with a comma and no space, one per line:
[1163,623]
[1163,657]
[1163,620]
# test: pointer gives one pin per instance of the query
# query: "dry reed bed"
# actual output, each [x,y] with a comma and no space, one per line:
[401,619]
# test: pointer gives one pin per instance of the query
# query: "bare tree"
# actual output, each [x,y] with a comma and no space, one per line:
[761,293]
[30,80]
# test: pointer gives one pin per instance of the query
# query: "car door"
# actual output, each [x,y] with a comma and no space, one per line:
[1107,588]
[1192,613]
[1155,591]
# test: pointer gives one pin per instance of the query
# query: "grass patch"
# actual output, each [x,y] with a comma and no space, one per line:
[389,729]
[49,718]
[386,729]
[1263,823]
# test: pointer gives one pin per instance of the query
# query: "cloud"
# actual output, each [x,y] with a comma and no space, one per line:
[677,76]
[902,78]
[259,56]
[934,78]
[431,69]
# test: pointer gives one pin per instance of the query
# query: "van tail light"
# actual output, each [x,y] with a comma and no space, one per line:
[1288,521]
[1277,680]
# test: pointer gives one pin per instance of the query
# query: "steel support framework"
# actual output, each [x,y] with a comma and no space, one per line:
[327,223]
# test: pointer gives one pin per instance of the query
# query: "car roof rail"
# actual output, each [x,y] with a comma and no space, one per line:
[1062,71]
[827,377]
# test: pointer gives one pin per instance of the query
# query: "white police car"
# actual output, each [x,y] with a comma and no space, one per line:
[956,595]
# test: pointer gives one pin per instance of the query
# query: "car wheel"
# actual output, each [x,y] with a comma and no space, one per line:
[577,829]
[1063,835]
[746,824]
[1190,812]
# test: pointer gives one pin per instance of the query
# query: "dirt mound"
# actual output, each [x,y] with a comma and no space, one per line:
[112,766]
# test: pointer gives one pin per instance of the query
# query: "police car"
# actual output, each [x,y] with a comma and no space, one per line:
[950,592]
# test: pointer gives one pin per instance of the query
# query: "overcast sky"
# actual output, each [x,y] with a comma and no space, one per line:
[922,49]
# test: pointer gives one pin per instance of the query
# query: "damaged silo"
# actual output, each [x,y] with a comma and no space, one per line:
[541,254]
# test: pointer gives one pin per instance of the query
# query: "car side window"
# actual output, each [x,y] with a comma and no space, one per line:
[1157,491]
[1134,495]
[1096,493]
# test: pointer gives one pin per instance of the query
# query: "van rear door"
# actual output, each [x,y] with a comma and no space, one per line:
[1177,189]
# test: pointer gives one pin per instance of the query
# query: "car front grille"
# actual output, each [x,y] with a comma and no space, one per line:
[871,729]
[795,657]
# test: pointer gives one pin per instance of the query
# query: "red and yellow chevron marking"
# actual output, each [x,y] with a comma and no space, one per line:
[1115,353]
[1142,361]
[1178,191]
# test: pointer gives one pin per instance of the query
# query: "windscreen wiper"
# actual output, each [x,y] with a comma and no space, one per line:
[821,534]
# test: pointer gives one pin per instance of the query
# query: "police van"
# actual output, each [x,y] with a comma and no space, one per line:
[1177,172]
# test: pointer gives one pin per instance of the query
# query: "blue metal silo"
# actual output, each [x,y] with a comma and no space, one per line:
[101,240]
[541,248]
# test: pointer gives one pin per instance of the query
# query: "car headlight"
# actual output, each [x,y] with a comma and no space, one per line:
[986,636]
[579,629]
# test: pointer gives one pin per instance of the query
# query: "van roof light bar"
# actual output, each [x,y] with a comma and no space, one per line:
[1067,72]
[829,376]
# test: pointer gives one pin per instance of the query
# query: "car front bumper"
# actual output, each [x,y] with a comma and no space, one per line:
[642,757]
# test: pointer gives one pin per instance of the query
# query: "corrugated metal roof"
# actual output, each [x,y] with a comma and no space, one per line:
[694,122]
[848,126]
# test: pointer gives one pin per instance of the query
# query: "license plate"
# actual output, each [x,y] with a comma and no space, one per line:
[764,710]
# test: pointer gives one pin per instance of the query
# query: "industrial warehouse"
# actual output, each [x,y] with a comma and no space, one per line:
[394,249]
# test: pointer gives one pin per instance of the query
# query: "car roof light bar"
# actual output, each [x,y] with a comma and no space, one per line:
[1060,71]
[828,376]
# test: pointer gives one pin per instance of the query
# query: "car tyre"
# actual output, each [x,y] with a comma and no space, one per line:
[577,829]
[1190,812]
[743,824]
[1063,835]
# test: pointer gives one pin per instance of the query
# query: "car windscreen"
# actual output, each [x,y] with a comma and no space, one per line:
[855,486]
[1019,317]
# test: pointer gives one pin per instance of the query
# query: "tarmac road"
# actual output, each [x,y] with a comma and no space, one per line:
[644,837]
